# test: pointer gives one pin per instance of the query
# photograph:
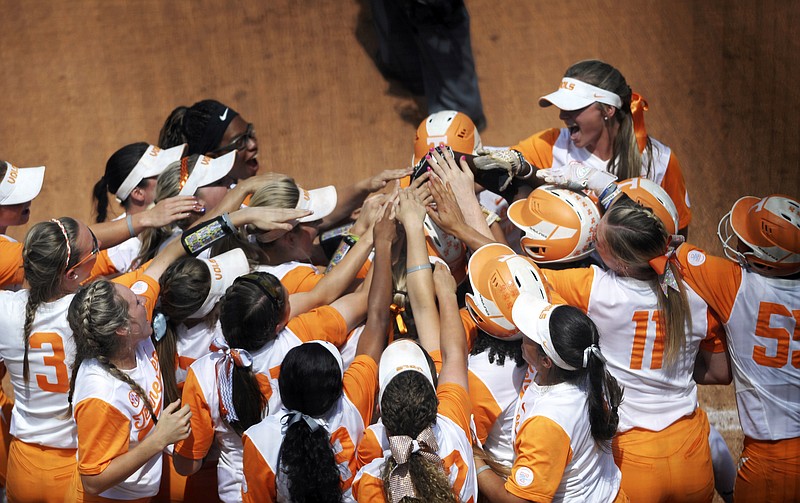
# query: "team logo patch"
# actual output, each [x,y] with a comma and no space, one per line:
[696,257]
[134,399]
[139,288]
[524,477]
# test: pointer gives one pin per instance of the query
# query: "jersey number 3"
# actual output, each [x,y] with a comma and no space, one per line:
[766,310]
[36,341]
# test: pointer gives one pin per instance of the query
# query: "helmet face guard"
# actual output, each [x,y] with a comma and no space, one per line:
[770,228]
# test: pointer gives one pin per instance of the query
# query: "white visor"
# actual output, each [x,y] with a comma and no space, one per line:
[532,316]
[400,356]
[333,350]
[574,95]
[320,201]
[207,171]
[224,269]
[20,185]
[152,163]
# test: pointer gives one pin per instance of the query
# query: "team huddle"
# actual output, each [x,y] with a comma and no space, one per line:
[522,323]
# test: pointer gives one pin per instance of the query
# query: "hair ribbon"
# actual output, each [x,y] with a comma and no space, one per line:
[660,264]
[402,447]
[398,311]
[224,366]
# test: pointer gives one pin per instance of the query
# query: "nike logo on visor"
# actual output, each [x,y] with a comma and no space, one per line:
[224,115]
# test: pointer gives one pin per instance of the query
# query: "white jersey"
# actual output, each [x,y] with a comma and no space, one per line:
[345,423]
[192,344]
[762,321]
[126,422]
[626,313]
[494,390]
[201,392]
[451,430]
[40,415]
[553,428]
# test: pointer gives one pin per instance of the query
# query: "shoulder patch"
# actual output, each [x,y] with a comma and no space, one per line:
[696,257]
[524,476]
[139,288]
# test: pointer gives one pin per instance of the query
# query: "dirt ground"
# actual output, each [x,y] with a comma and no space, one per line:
[81,79]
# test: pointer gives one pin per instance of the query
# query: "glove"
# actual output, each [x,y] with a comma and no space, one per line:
[509,162]
[576,176]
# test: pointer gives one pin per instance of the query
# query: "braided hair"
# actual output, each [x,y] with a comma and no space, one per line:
[46,257]
[95,315]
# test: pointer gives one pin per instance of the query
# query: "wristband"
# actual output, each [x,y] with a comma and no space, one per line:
[482,469]
[129,220]
[606,198]
[418,268]
[201,237]
[350,239]
[226,221]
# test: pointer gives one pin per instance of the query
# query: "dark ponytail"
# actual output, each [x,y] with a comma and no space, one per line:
[310,382]
[118,167]
[572,333]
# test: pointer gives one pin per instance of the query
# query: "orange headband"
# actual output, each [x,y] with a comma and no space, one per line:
[184,172]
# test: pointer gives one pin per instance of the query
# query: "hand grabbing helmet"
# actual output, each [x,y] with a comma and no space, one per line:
[497,276]
[650,195]
[559,225]
[770,228]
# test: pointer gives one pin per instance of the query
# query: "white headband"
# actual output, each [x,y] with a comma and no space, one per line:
[333,350]
[532,317]
[224,269]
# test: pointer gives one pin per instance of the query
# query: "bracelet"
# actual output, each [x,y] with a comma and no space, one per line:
[482,469]
[603,194]
[129,220]
[608,199]
[350,239]
[418,268]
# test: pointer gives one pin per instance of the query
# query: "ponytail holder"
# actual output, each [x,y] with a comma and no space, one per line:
[184,172]
[398,311]
[660,264]
[294,416]
[159,326]
[224,366]
[593,349]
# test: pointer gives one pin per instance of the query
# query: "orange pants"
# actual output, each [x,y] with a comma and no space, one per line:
[769,471]
[200,487]
[673,464]
[38,473]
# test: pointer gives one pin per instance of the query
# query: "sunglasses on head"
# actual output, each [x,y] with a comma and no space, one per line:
[238,143]
[95,251]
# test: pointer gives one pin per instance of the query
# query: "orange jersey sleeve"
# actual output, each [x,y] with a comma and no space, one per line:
[259,480]
[715,341]
[102,266]
[674,185]
[485,410]
[196,445]
[321,324]
[538,149]
[301,279]
[573,286]
[11,272]
[436,356]
[454,403]
[716,280]
[99,442]
[369,448]
[543,452]
[368,489]
[360,382]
